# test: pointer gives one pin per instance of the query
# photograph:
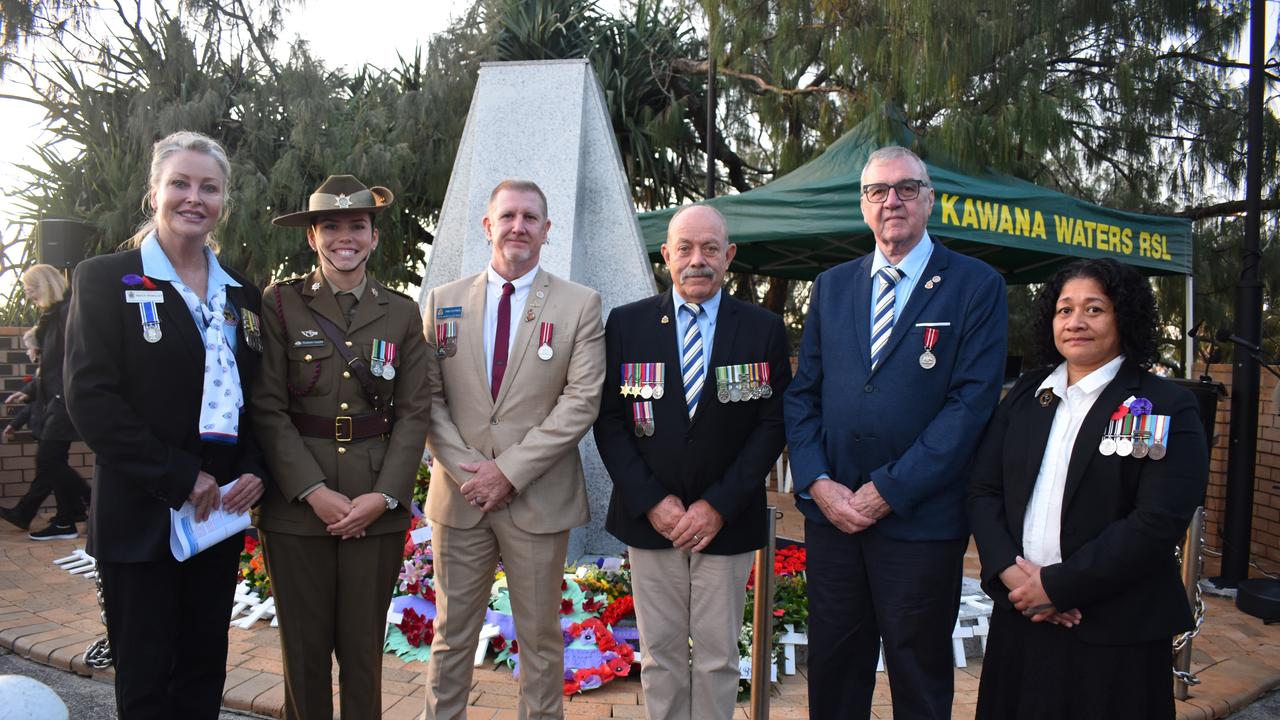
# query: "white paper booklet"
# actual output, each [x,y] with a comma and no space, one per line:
[188,537]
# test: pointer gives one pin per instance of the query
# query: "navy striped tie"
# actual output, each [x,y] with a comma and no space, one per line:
[691,358]
[882,323]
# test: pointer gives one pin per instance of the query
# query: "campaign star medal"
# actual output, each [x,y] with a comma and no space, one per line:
[927,359]
[625,387]
[252,325]
[722,384]
[1159,437]
[659,380]
[545,332]
[1046,398]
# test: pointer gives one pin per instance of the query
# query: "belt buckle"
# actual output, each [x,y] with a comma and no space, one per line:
[342,428]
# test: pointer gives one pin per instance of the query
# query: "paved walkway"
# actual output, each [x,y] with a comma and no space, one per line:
[50,616]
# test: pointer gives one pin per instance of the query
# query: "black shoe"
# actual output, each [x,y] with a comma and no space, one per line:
[11,515]
[55,532]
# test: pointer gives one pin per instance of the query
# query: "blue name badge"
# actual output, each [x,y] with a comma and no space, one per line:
[445,313]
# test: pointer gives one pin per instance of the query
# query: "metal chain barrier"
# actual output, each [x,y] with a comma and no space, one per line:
[1191,559]
[98,654]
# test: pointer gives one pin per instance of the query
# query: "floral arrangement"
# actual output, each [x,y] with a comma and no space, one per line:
[415,600]
[592,638]
[253,569]
[790,600]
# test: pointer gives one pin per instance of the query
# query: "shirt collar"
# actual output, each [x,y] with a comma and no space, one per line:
[156,264]
[523,282]
[358,290]
[710,307]
[912,266]
[1089,384]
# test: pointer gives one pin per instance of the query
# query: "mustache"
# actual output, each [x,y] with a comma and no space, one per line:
[697,272]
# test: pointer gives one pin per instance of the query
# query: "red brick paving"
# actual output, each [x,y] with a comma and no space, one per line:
[51,616]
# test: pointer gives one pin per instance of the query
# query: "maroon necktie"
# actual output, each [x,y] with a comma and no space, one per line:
[502,339]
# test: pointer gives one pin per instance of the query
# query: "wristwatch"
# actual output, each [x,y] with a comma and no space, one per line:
[391,502]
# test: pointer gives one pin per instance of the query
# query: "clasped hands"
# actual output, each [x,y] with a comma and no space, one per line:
[488,488]
[206,496]
[343,516]
[691,528]
[849,510]
[1030,598]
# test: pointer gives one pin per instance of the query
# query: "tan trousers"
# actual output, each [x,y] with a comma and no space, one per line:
[465,561]
[682,596]
[332,597]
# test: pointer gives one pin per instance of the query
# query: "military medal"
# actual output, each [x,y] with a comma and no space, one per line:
[446,338]
[375,359]
[642,419]
[150,322]
[735,384]
[1141,437]
[927,359]
[627,370]
[722,384]
[544,341]
[659,381]
[252,329]
[646,380]
[1124,444]
[388,360]
[766,390]
[1159,436]
[1046,399]
[1108,444]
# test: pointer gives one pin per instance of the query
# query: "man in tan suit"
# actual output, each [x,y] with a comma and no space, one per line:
[341,410]
[515,379]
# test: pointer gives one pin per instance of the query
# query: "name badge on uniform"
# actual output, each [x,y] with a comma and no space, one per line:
[445,313]
[141,296]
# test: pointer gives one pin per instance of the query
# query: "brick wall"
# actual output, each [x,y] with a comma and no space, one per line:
[18,458]
[1266,485]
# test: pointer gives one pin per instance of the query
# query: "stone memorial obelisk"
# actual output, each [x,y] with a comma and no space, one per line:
[547,121]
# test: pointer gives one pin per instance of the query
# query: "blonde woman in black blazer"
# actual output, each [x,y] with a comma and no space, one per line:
[139,394]
[1077,532]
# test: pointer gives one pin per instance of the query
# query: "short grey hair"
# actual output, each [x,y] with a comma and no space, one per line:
[896,152]
[724,224]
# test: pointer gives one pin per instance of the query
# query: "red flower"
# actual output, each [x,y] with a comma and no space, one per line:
[583,674]
[620,667]
[498,643]
[779,612]
[515,647]
[625,653]
[250,544]
[566,607]
[590,605]
[605,672]
[618,609]
[571,687]
[146,283]
[564,586]
[27,378]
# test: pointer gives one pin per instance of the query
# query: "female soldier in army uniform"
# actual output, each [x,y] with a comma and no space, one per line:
[343,409]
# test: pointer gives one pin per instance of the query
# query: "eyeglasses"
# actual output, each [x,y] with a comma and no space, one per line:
[906,190]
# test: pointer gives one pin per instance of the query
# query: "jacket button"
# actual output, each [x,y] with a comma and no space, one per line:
[348,343]
[307,357]
[342,450]
[343,406]
[493,420]
[867,388]
[857,437]
[347,374]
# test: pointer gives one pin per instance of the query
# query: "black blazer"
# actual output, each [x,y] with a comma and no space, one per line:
[1122,517]
[722,455]
[137,406]
[54,424]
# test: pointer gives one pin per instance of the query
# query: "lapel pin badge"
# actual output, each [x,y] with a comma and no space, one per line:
[665,319]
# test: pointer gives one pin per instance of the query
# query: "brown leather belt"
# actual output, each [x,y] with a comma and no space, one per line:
[343,428]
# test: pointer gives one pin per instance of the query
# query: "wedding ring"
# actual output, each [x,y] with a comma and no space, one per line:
[696,538]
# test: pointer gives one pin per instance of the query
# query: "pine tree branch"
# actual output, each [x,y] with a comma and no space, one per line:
[1223,209]
[689,66]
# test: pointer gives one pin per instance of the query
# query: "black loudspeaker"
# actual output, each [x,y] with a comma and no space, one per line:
[63,243]
[1207,394]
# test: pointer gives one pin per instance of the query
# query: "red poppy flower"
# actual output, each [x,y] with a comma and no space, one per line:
[498,643]
[146,283]
[625,653]
[566,607]
[515,647]
[620,667]
[571,687]
[779,612]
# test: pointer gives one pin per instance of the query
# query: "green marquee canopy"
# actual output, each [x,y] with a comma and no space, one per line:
[810,220]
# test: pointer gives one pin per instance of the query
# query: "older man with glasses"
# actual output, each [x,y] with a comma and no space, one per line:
[899,369]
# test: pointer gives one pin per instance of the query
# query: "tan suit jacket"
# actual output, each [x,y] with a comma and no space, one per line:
[544,407]
[302,374]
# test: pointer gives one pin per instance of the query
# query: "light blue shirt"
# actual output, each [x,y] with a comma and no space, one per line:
[912,267]
[155,264]
[706,326]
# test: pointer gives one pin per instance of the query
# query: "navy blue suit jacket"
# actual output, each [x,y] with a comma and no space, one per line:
[909,430]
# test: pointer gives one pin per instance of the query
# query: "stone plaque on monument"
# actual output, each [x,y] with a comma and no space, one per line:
[547,121]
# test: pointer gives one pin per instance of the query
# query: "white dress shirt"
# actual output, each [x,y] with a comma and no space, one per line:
[1042,526]
[493,296]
